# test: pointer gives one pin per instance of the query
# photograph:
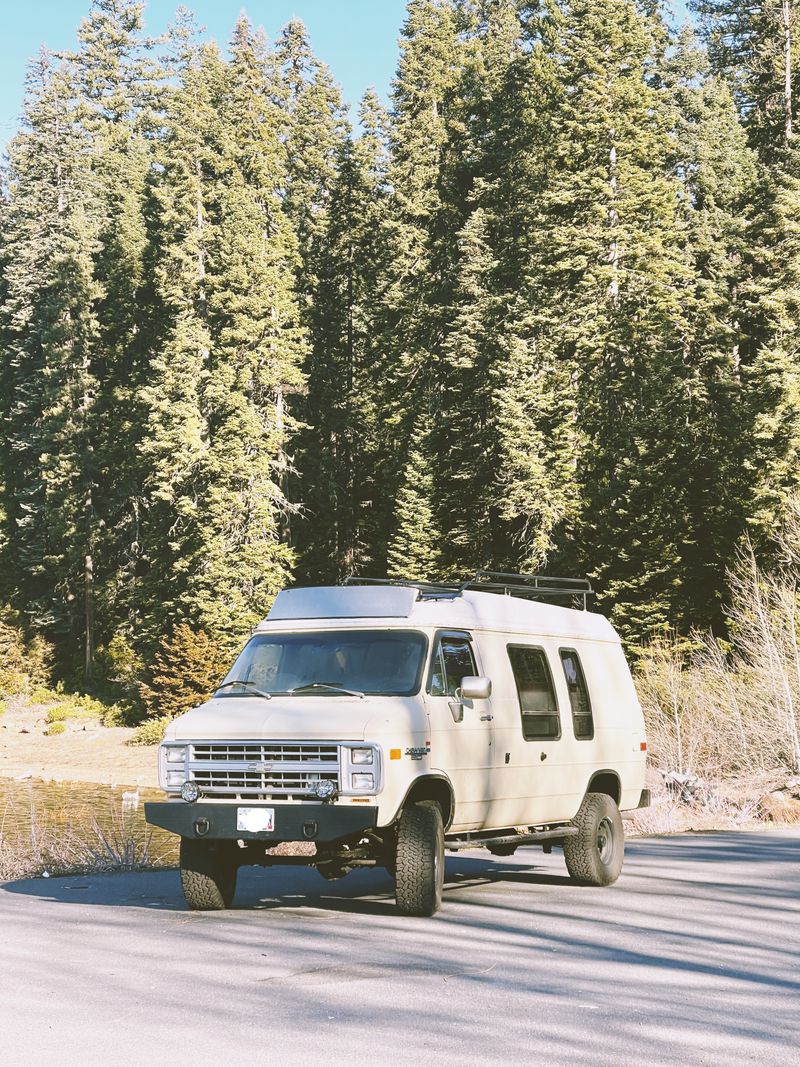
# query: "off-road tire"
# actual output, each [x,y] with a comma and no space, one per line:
[419,873]
[594,855]
[208,873]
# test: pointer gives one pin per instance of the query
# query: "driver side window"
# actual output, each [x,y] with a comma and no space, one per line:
[452,660]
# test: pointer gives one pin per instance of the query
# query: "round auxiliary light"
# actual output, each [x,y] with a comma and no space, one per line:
[190,791]
[324,788]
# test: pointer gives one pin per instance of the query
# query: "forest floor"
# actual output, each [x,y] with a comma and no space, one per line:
[85,752]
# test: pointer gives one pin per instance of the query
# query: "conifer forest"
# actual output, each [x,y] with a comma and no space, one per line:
[539,313]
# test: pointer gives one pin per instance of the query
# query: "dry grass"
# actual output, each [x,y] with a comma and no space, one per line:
[728,712]
[49,850]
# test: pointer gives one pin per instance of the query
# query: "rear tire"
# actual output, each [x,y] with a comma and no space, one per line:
[594,855]
[208,873]
[419,874]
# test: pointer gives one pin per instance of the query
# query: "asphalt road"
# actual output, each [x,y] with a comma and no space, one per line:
[693,957]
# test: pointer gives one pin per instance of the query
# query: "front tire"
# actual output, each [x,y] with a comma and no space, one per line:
[208,873]
[419,874]
[594,855]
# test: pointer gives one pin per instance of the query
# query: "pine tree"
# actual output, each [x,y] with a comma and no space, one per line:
[338,447]
[418,232]
[414,550]
[118,84]
[49,387]
[755,44]
[233,346]
[607,281]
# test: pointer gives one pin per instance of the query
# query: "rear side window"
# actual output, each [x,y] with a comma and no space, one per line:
[582,721]
[452,661]
[537,697]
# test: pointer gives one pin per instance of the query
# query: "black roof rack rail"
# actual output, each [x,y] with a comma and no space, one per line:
[532,586]
[426,590]
[527,586]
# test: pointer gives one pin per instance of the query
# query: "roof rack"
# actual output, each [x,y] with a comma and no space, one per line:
[527,586]
[533,586]
[426,590]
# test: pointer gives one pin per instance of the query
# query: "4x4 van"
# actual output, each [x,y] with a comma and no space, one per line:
[385,722]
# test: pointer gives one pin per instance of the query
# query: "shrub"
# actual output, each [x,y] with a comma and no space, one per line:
[150,732]
[185,672]
[119,671]
[729,710]
[55,728]
[57,714]
[40,694]
[23,664]
[120,715]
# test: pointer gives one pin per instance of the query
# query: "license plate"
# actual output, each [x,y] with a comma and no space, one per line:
[255,820]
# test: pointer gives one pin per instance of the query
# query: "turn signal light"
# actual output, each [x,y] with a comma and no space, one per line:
[643,746]
[395,753]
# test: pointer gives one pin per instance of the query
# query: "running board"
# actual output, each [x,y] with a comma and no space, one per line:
[456,844]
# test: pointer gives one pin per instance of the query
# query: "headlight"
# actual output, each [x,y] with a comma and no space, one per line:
[361,755]
[362,781]
[175,753]
[175,779]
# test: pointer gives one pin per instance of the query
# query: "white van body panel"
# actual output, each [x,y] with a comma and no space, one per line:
[498,779]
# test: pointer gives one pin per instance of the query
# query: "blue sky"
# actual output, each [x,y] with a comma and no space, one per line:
[356,38]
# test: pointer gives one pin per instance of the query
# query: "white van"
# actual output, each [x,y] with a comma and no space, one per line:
[385,722]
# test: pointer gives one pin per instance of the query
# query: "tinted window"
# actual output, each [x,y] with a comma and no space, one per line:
[537,698]
[582,722]
[452,661]
[371,661]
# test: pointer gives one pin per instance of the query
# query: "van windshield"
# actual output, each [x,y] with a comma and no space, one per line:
[387,662]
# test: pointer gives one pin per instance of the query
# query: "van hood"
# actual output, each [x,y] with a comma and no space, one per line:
[295,718]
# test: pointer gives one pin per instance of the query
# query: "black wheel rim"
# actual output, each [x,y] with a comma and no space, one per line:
[605,841]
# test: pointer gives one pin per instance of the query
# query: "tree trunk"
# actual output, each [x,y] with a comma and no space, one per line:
[786,20]
[88,592]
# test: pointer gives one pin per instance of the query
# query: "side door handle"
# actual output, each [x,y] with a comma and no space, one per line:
[486,718]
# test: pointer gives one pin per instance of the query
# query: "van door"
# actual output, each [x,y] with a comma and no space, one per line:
[461,731]
[534,784]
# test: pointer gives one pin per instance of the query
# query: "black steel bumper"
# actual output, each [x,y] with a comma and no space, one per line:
[293,822]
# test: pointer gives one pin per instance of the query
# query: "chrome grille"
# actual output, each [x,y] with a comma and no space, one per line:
[272,752]
[262,770]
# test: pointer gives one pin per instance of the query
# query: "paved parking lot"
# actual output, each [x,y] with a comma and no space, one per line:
[693,957]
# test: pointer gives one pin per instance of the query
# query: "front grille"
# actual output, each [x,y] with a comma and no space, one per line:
[262,770]
[271,751]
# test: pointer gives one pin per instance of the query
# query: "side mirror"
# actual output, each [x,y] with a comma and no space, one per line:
[476,688]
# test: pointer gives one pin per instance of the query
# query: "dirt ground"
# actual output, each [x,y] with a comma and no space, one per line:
[87,752]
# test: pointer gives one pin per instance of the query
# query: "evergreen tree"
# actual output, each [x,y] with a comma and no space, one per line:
[49,387]
[233,347]
[755,44]
[117,85]
[341,438]
[414,550]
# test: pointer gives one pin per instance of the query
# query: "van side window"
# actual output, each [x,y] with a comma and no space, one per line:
[582,722]
[452,661]
[537,697]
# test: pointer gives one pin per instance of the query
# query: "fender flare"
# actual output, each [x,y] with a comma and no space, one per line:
[440,784]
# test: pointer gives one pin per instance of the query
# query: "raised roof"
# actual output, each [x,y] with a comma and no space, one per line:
[469,609]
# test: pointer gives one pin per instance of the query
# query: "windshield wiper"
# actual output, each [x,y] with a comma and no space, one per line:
[335,686]
[255,692]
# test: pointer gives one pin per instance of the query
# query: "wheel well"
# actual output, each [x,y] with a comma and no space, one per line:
[438,789]
[606,782]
